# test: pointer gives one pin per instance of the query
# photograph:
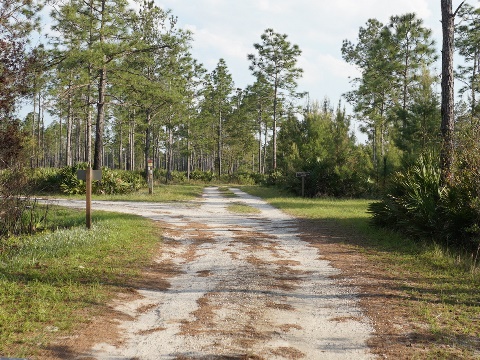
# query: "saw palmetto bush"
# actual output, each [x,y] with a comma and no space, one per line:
[412,202]
[418,206]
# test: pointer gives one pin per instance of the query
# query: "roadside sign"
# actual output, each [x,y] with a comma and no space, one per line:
[303,175]
[150,176]
[96,175]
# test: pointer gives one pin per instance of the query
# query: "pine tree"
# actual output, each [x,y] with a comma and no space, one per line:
[276,64]
[217,105]
[467,41]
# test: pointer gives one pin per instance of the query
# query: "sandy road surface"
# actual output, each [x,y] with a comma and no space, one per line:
[244,287]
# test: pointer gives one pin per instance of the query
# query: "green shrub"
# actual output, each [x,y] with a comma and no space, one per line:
[412,202]
[416,205]
[245,179]
[45,179]
[175,176]
[69,182]
[328,180]
[113,181]
[275,177]
[205,176]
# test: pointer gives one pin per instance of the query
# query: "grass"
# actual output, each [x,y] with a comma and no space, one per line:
[226,192]
[439,286]
[51,281]
[242,208]
[161,193]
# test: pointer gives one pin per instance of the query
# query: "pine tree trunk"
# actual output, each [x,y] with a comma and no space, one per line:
[88,135]
[219,145]
[148,142]
[447,127]
[260,141]
[68,145]
[100,125]
[275,128]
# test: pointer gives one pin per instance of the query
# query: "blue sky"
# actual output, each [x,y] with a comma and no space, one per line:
[229,28]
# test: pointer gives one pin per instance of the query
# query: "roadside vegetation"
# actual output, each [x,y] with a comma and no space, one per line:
[54,281]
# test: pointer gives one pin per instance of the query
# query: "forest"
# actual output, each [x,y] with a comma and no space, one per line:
[122,87]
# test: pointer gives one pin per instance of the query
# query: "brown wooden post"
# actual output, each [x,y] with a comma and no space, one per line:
[88,178]
[150,176]
[303,186]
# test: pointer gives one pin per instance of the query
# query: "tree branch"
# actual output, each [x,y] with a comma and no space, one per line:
[458,8]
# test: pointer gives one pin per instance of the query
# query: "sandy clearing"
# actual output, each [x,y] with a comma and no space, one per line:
[247,287]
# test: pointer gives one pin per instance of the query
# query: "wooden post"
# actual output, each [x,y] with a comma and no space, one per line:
[89,197]
[150,176]
[303,186]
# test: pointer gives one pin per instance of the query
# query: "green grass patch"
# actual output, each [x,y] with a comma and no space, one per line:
[226,192]
[242,208]
[161,193]
[49,280]
[440,286]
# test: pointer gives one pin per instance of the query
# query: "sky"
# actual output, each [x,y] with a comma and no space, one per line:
[228,29]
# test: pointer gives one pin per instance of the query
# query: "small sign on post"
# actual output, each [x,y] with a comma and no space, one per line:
[303,175]
[88,176]
[150,176]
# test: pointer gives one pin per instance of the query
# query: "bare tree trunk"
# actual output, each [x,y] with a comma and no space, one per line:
[265,139]
[38,147]
[275,128]
[88,135]
[169,155]
[68,145]
[34,124]
[219,154]
[447,127]
[120,146]
[260,140]
[148,141]
[100,125]
[131,143]
[189,155]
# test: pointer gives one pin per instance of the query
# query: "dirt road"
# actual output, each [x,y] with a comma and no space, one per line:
[239,287]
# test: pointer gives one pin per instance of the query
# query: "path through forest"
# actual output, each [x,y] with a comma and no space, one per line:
[233,286]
